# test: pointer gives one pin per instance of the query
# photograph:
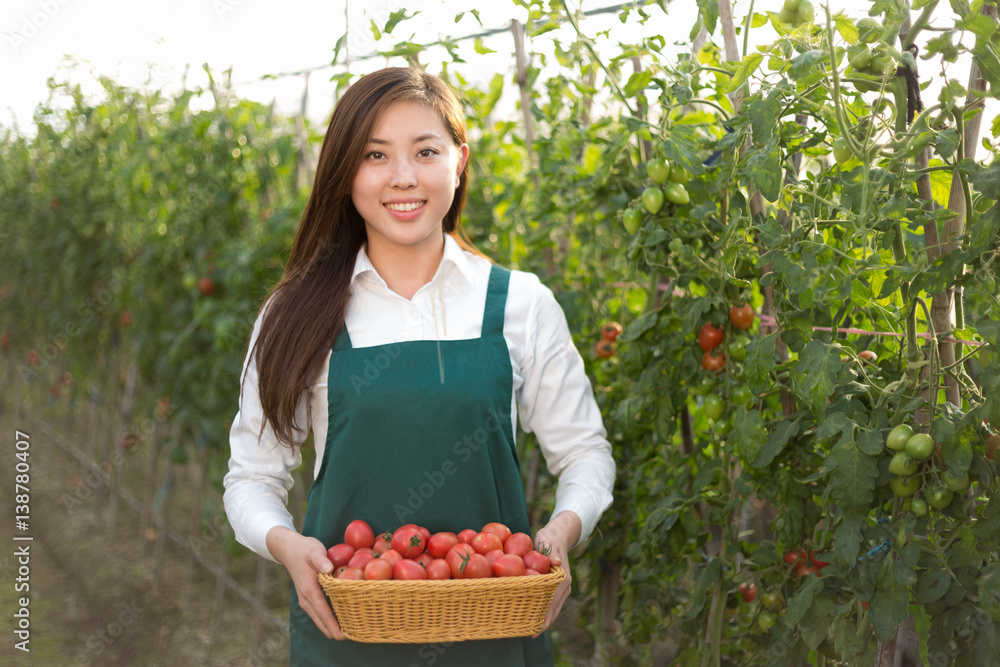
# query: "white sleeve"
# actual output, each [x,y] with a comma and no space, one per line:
[260,469]
[557,403]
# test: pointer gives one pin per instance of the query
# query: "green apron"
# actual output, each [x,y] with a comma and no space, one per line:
[420,432]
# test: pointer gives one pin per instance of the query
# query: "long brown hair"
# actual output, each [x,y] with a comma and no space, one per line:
[305,310]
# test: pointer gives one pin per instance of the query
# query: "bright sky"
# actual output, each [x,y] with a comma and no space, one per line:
[141,43]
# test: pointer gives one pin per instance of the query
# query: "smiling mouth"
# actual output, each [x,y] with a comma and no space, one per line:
[411,206]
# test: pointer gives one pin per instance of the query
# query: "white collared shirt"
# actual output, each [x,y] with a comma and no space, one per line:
[552,394]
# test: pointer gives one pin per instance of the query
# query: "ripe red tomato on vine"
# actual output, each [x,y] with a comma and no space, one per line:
[713,362]
[709,337]
[742,316]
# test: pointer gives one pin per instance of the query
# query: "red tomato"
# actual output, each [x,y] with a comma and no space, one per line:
[408,570]
[709,337]
[518,544]
[424,559]
[611,331]
[337,572]
[498,529]
[457,558]
[440,543]
[351,572]
[340,554]
[359,534]
[485,542]
[508,565]
[713,362]
[477,567]
[378,570]
[360,559]
[791,557]
[392,556]
[467,535]
[492,556]
[408,541]
[537,561]
[424,533]
[604,349]
[749,592]
[742,316]
[528,572]
[383,543]
[807,570]
[438,569]
[817,563]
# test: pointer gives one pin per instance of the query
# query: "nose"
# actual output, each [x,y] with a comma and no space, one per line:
[403,175]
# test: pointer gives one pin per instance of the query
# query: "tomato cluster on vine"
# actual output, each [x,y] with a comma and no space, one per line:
[411,552]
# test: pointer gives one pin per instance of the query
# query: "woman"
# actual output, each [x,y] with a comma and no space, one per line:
[409,355]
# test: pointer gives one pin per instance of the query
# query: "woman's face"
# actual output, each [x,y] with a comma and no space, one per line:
[407,179]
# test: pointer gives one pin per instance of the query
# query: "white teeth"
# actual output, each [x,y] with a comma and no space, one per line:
[405,207]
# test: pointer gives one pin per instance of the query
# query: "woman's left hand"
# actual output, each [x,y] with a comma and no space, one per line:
[558,536]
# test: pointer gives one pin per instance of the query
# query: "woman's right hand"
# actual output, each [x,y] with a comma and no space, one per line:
[304,557]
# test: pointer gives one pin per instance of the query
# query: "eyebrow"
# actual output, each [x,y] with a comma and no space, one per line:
[422,137]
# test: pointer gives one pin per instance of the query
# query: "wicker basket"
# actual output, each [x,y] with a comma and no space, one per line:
[412,612]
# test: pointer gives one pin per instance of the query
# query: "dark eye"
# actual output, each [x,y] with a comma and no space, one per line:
[427,152]
[375,155]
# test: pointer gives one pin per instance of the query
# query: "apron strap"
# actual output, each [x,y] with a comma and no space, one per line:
[343,341]
[496,301]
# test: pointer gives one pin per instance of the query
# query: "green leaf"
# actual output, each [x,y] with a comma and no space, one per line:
[764,168]
[748,435]
[964,551]
[480,47]
[853,478]
[758,19]
[375,31]
[984,229]
[747,67]
[709,574]
[847,538]
[871,441]
[638,82]
[932,584]
[759,362]
[815,625]
[847,29]
[846,641]
[981,26]
[815,374]
[889,604]
[709,11]
[776,441]
[800,603]
[763,115]
[640,325]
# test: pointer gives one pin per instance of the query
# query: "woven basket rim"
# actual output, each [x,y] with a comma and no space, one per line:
[556,574]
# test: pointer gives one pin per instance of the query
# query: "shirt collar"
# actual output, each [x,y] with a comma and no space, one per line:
[454,256]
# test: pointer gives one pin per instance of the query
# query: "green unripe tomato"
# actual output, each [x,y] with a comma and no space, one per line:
[679,174]
[766,620]
[714,406]
[652,199]
[658,170]
[676,246]
[737,348]
[189,281]
[881,63]
[859,56]
[632,219]
[903,465]
[677,194]
[898,437]
[870,30]
[920,446]
[841,151]
[741,395]
[788,15]
[954,482]
[791,5]
[806,11]
[918,507]
[904,487]
[723,426]
[939,498]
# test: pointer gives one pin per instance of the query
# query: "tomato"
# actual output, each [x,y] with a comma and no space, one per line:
[438,569]
[918,507]
[424,559]
[652,199]
[992,447]
[408,570]
[786,16]
[920,446]
[858,57]
[709,337]
[742,316]
[870,30]
[528,572]
[939,497]
[737,347]
[807,570]
[677,194]
[610,331]
[796,557]
[537,561]
[658,170]
[749,592]
[457,557]
[902,464]
[508,565]
[723,426]
[359,534]
[713,406]
[392,556]
[679,174]
[353,573]
[954,482]
[424,533]
[898,437]
[604,349]
[741,395]
[704,386]
[817,563]
[440,543]
[771,600]
[806,11]
[378,569]
[867,356]
[486,542]
[467,535]
[492,556]
[904,487]
[713,362]
[477,568]
[408,541]
[383,543]
[518,544]
[631,220]
[340,554]
[881,63]
[766,620]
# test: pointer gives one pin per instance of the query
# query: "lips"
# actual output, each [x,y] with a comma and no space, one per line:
[403,207]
